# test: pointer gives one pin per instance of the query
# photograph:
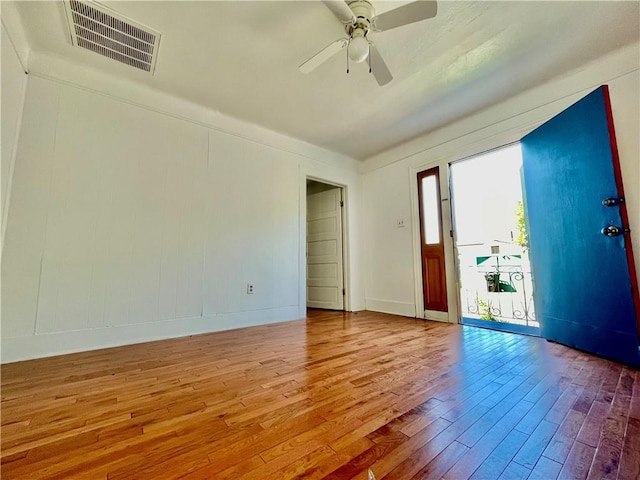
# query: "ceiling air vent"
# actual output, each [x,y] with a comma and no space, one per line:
[108,33]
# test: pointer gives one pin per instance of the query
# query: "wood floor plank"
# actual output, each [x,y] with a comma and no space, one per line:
[342,457]
[536,443]
[630,459]
[634,409]
[515,471]
[542,406]
[329,396]
[482,449]
[564,403]
[495,463]
[397,456]
[493,416]
[362,462]
[592,426]
[443,461]
[609,450]
[545,469]
[578,462]
[561,443]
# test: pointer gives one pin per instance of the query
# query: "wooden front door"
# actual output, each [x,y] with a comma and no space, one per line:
[434,285]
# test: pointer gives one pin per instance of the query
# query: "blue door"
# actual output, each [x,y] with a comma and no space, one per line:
[584,275]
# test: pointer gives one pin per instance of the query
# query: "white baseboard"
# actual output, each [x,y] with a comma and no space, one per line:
[15,349]
[437,316]
[388,306]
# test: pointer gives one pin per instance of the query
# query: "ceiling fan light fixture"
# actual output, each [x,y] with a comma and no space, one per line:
[358,47]
[358,17]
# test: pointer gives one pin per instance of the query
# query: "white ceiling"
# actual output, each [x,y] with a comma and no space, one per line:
[242,57]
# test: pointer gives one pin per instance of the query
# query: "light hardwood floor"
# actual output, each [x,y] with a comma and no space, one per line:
[327,397]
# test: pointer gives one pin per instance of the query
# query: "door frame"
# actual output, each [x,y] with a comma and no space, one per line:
[444,160]
[346,306]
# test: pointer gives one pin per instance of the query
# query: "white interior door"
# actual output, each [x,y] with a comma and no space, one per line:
[325,281]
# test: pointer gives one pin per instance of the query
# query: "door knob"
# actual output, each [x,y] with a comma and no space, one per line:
[613,231]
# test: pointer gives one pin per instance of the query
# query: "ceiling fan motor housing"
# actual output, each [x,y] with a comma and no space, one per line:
[363,12]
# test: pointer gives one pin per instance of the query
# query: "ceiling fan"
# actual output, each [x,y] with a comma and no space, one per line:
[360,19]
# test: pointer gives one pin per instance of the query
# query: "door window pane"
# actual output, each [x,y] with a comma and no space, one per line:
[430,210]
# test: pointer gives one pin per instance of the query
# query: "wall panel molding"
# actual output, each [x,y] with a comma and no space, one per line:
[16,349]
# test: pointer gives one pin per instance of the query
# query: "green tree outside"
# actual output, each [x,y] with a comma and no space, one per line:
[522,238]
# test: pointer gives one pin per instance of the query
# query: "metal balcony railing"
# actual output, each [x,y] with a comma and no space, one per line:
[500,293]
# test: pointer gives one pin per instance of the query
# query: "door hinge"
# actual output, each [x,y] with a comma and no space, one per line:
[341,203]
[344,292]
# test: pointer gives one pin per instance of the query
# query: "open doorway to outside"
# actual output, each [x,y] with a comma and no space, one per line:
[325,245]
[494,273]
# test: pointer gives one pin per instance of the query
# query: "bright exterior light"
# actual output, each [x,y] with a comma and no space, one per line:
[358,48]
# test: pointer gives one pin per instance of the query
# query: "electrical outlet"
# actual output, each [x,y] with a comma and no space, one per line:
[249,288]
[400,223]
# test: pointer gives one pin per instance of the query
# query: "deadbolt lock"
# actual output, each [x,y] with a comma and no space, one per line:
[613,231]
[612,202]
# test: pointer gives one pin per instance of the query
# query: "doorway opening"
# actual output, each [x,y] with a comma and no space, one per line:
[491,245]
[325,246]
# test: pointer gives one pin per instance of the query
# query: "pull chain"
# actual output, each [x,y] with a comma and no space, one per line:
[348,44]
[369,56]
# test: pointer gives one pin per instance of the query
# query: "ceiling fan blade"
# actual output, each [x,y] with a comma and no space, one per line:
[410,13]
[341,10]
[378,67]
[323,55]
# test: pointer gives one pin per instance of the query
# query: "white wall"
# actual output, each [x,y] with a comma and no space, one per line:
[389,283]
[12,98]
[128,224]
[392,259]
[136,216]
